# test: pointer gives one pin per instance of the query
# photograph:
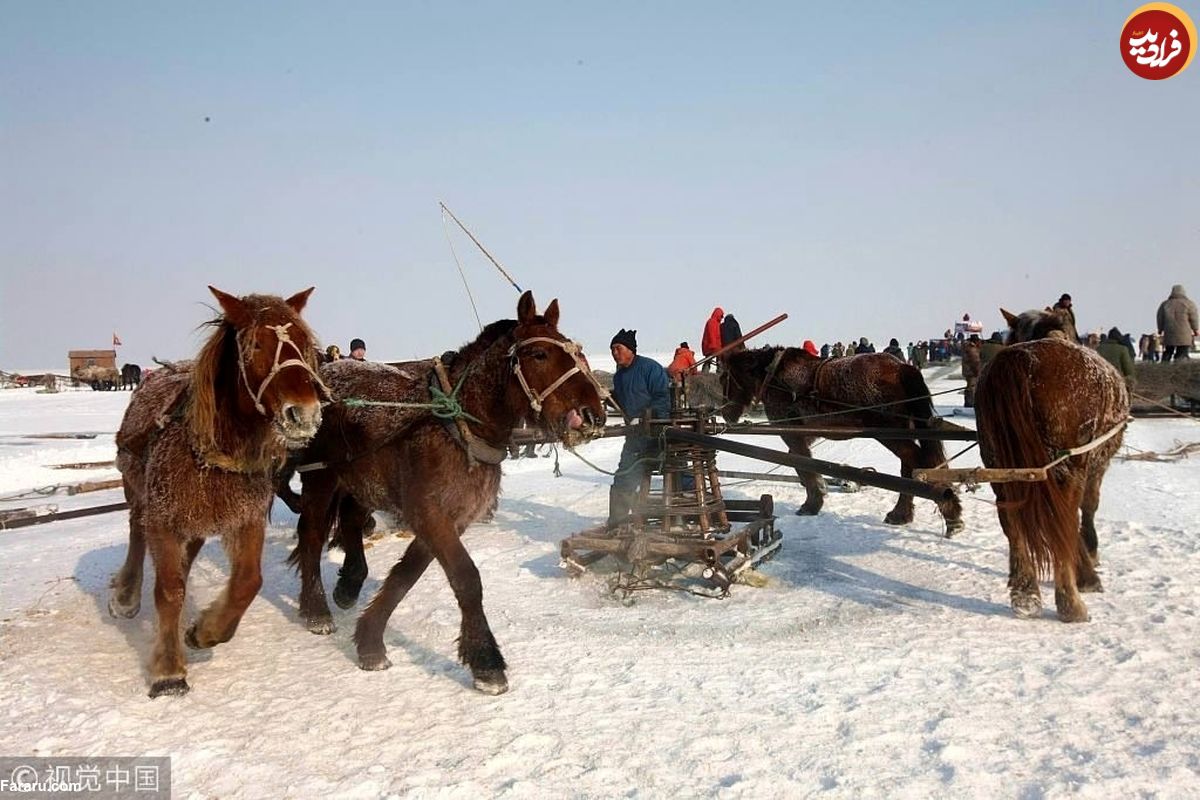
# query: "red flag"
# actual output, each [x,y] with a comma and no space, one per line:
[116,340]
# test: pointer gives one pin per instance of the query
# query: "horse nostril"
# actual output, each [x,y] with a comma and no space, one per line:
[292,415]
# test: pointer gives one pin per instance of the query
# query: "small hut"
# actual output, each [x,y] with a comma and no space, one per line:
[91,358]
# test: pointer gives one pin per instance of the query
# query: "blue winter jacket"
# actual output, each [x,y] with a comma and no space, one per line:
[641,385]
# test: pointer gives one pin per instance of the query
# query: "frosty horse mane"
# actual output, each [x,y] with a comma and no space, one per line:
[375,453]
[1036,399]
[197,449]
[871,390]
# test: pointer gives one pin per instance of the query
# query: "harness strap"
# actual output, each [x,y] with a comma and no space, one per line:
[570,348]
[771,369]
[281,338]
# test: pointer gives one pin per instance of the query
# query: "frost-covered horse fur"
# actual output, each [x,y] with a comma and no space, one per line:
[197,449]
[408,461]
[1041,396]
[868,390]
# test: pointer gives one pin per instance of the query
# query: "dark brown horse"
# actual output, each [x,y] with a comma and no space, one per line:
[1037,400]
[381,454]
[197,450]
[868,390]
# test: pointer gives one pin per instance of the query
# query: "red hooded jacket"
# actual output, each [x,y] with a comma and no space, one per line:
[711,341]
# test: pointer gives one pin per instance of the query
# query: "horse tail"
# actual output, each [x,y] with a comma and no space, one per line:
[1042,520]
[919,408]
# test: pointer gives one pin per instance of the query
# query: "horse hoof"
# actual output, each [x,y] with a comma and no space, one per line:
[804,511]
[118,609]
[953,527]
[491,682]
[1091,586]
[192,640]
[169,686]
[1028,606]
[345,598]
[897,519]
[374,663]
[321,626]
[1077,613]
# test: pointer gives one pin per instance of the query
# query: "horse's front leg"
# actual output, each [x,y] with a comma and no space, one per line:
[168,669]
[312,530]
[217,623]
[813,483]
[908,453]
[368,634]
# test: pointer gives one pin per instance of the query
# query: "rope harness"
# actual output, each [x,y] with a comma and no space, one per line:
[581,367]
[277,366]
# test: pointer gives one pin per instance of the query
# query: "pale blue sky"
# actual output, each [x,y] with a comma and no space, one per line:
[871,169]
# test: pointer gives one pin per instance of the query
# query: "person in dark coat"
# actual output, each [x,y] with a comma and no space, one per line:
[894,348]
[971,368]
[639,385]
[1178,323]
[731,331]
[1113,350]
[358,350]
[1064,303]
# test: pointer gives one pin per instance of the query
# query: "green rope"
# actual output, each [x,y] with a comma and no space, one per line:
[444,406]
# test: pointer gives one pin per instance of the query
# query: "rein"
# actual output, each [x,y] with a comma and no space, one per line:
[277,366]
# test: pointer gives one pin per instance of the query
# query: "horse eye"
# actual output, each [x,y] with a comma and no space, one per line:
[538,354]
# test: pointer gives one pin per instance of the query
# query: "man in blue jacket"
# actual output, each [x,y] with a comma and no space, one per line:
[640,384]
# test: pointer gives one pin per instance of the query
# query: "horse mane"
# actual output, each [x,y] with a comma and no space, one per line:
[214,432]
[491,334]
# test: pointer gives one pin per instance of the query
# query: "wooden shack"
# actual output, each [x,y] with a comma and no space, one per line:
[91,358]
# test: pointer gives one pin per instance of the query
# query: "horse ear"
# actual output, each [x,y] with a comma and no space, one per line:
[551,313]
[299,299]
[234,309]
[526,308]
[1009,317]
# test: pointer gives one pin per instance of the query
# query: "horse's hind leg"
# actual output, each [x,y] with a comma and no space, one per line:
[168,669]
[908,453]
[368,635]
[352,520]
[218,622]
[1024,592]
[1070,605]
[813,483]
[125,588]
[1086,579]
[316,517]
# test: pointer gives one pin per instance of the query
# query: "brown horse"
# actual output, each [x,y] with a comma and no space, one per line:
[870,390]
[380,452]
[1037,400]
[197,450]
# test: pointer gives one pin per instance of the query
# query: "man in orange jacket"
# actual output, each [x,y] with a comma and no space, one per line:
[711,341]
[684,362]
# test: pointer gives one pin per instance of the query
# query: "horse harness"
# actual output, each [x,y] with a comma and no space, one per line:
[277,366]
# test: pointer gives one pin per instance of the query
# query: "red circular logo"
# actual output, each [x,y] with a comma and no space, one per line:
[1158,41]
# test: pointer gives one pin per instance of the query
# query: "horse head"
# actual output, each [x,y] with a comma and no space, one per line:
[551,377]
[1035,324]
[276,362]
[742,379]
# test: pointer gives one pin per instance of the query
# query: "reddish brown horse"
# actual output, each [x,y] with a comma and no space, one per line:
[197,450]
[1036,401]
[379,452]
[868,390]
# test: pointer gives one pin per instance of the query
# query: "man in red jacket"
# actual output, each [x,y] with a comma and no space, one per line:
[711,341]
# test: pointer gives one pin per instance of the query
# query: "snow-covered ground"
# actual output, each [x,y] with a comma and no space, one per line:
[875,662]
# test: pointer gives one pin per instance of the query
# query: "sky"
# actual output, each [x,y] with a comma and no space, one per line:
[870,169]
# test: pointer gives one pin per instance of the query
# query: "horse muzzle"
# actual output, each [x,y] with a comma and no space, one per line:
[298,423]
[580,426]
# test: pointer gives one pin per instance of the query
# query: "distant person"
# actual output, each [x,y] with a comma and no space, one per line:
[333,353]
[865,346]
[1178,323]
[1114,351]
[684,362]
[710,342]
[838,350]
[988,350]
[1064,303]
[639,385]
[731,331]
[811,348]
[971,365]
[921,354]
[893,348]
[358,349]
[825,350]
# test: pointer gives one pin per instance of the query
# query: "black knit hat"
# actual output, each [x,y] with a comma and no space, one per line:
[627,338]
[357,344]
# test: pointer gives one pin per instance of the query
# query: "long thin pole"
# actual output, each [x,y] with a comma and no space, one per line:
[480,246]
[742,338]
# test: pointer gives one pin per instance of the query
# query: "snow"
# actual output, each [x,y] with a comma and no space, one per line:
[876,661]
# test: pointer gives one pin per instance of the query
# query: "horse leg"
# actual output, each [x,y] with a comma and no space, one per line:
[125,595]
[352,519]
[312,530]
[368,634]
[1024,592]
[168,669]
[477,646]
[219,621]
[1070,605]
[908,453]
[813,483]
[931,456]
[1086,578]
